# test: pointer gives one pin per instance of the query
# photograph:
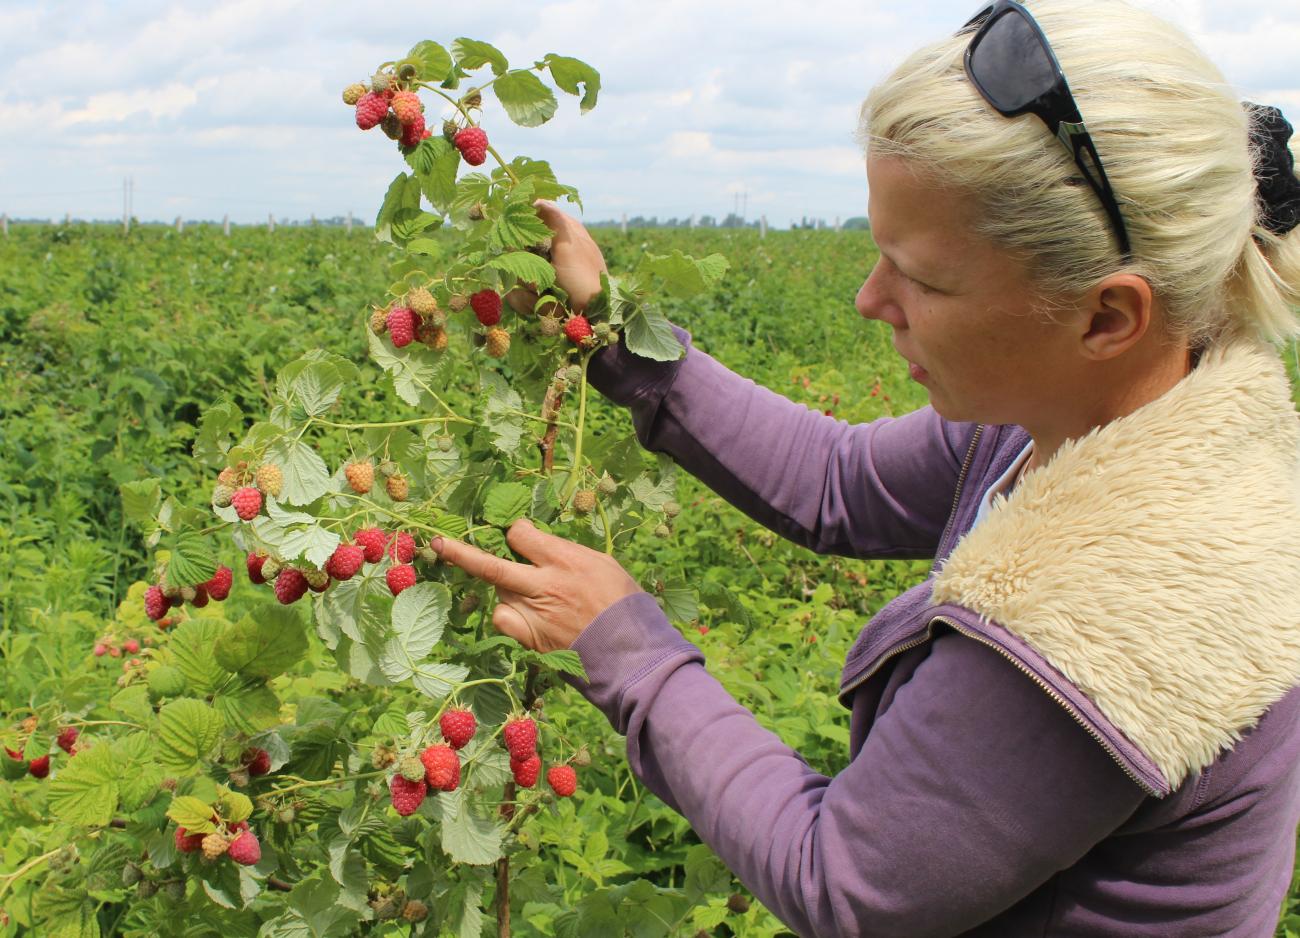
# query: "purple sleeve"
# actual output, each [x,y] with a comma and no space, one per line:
[880,489]
[971,789]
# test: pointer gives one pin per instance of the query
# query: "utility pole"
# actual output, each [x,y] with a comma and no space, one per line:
[4,224]
[270,221]
[624,225]
[225,226]
[744,205]
[762,226]
[180,224]
[348,226]
[126,205]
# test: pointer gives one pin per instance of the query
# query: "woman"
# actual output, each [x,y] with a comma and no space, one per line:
[1086,720]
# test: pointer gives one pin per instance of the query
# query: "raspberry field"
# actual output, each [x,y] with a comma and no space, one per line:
[115,349]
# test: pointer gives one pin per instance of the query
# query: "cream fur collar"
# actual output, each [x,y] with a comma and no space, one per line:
[1155,562]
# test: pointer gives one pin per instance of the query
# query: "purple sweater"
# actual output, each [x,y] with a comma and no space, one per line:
[1034,749]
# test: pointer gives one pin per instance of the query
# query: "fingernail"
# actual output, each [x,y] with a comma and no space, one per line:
[436,544]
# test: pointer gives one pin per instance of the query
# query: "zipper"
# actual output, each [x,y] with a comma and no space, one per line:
[961,480]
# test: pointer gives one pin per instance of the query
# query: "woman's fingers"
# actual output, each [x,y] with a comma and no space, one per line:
[519,577]
[510,621]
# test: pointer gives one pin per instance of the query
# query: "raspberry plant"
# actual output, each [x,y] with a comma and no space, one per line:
[205,799]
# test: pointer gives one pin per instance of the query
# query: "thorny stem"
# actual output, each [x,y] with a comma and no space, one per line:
[303,783]
[576,474]
[392,423]
[8,879]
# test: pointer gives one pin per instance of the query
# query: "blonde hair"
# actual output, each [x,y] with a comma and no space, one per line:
[1173,138]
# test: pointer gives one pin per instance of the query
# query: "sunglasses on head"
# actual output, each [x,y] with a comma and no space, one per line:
[1011,64]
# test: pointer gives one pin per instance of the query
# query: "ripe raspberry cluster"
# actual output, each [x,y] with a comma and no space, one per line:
[368,545]
[234,840]
[158,598]
[242,486]
[520,738]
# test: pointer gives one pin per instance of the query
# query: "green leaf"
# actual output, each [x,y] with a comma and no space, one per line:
[248,708]
[526,267]
[306,477]
[527,101]
[680,604]
[648,333]
[437,679]
[684,276]
[86,789]
[189,730]
[432,62]
[192,560]
[438,181]
[473,53]
[265,643]
[317,387]
[704,873]
[412,371]
[419,617]
[235,806]
[517,227]
[403,193]
[506,503]
[569,73]
[191,649]
[193,814]
[138,773]
[501,413]
[141,500]
[217,426]
[466,837]
[566,661]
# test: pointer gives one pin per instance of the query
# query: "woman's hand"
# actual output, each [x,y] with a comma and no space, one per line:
[546,605]
[575,256]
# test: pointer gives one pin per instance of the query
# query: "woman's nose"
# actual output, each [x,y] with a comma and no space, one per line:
[874,300]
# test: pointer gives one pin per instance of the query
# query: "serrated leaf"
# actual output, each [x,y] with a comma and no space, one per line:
[517,227]
[218,424]
[564,660]
[248,707]
[141,500]
[432,62]
[306,477]
[685,276]
[506,503]
[403,193]
[191,649]
[317,387]
[527,101]
[138,773]
[466,837]
[654,495]
[192,560]
[648,333]
[437,679]
[528,268]
[568,73]
[188,731]
[86,789]
[418,619]
[473,53]
[440,161]
[265,643]
[235,806]
[412,371]
[193,814]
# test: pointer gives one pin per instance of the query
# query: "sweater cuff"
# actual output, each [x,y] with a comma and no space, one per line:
[624,377]
[628,641]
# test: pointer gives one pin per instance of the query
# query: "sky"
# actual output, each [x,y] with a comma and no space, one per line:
[233,107]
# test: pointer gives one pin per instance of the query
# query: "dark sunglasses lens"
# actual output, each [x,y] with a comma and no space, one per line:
[1010,63]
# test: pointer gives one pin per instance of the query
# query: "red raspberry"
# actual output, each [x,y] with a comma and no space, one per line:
[487,306]
[562,779]
[155,603]
[290,585]
[247,502]
[257,761]
[577,329]
[219,586]
[526,770]
[345,561]
[458,727]
[39,767]
[400,577]
[244,849]
[67,737]
[407,795]
[255,561]
[101,649]
[520,737]
[413,132]
[472,142]
[130,646]
[372,541]
[188,843]
[406,105]
[403,548]
[200,597]
[17,756]
[441,767]
[371,109]
[401,325]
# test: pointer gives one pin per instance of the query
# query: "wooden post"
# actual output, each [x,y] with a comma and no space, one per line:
[837,223]
[625,223]
[225,226]
[180,224]
[313,219]
[762,226]
[348,226]
[67,218]
[270,222]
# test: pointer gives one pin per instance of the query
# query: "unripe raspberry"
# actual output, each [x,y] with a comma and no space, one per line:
[476,211]
[379,320]
[229,476]
[245,849]
[498,343]
[415,911]
[353,93]
[413,132]
[346,561]
[67,738]
[100,649]
[270,479]
[271,567]
[526,770]
[255,561]
[429,332]
[402,549]
[290,585]
[442,767]
[187,842]
[549,326]
[458,727]
[317,580]
[189,594]
[401,325]
[407,795]
[582,757]
[381,757]
[422,301]
[380,82]
[214,845]
[391,126]
[577,329]
[400,577]
[672,509]
[360,476]
[584,501]
[372,541]
[472,142]
[606,485]
[406,105]
[574,374]
[562,779]
[520,737]
[449,129]
[397,487]
[131,646]
[458,302]
[411,768]
[601,331]
[371,109]
[738,903]
[487,306]
[221,495]
[247,502]
[155,603]
[662,530]
[218,587]
[473,98]
[468,603]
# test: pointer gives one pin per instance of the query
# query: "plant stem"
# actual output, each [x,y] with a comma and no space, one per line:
[391,423]
[576,474]
[303,783]
[604,523]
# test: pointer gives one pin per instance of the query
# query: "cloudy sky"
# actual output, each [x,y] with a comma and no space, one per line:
[232,107]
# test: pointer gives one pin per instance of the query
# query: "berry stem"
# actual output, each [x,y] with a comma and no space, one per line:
[391,423]
[469,122]
[572,485]
[136,726]
[304,783]
[604,523]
